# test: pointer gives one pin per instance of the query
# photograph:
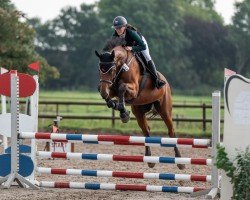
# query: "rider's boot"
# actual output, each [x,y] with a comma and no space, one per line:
[152,70]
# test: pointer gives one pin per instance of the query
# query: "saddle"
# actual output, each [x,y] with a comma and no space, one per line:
[142,62]
[143,69]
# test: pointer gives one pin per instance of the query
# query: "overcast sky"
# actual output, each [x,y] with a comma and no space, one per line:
[49,9]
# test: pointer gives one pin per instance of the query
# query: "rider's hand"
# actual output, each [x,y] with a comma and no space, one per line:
[128,48]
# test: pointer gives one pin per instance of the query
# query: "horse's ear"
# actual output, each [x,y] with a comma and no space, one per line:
[97,54]
[113,54]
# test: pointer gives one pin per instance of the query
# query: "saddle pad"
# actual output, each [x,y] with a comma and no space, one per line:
[142,62]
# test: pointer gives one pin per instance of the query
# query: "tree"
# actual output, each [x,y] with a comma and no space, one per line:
[17,42]
[186,38]
[200,9]
[210,52]
[69,42]
[240,36]
[204,4]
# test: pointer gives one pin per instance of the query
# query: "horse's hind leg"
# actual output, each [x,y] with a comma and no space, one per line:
[142,122]
[164,109]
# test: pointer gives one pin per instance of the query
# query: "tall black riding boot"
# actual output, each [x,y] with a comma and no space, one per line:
[152,70]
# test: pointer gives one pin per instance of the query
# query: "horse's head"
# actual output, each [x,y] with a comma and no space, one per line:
[107,71]
[110,62]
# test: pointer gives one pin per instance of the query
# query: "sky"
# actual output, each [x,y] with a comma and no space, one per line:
[49,9]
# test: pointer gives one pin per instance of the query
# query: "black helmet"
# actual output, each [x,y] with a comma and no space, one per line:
[119,21]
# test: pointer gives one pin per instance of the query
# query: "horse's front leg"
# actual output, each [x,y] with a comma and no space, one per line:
[124,114]
[112,103]
[107,95]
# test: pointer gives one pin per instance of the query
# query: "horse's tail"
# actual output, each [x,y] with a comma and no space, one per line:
[152,113]
[150,110]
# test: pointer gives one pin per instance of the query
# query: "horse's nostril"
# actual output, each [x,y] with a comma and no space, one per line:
[98,88]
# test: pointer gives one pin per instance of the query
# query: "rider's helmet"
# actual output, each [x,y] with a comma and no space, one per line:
[119,22]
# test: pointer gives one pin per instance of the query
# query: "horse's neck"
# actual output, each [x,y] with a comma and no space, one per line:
[120,54]
[133,74]
[127,57]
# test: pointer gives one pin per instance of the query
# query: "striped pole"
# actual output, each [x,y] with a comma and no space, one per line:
[118,140]
[123,174]
[125,158]
[111,186]
[131,144]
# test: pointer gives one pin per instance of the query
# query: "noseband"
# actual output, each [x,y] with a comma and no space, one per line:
[109,66]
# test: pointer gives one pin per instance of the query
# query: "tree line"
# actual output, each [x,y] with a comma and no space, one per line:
[187,39]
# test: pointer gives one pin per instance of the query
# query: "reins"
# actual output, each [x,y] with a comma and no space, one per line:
[124,68]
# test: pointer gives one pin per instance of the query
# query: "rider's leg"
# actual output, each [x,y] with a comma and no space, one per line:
[151,66]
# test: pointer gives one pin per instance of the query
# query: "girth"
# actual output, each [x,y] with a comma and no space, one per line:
[141,87]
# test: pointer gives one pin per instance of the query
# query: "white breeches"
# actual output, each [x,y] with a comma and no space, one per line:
[145,52]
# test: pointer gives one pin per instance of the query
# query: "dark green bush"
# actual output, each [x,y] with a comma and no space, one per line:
[238,171]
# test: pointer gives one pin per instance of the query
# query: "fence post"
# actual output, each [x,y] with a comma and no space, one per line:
[177,120]
[113,118]
[204,117]
[57,109]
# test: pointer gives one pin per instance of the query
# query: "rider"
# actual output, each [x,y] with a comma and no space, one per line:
[136,42]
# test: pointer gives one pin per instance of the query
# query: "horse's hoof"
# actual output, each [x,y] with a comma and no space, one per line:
[125,116]
[181,166]
[151,165]
[111,104]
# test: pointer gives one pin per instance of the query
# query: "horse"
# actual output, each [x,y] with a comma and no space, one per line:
[121,78]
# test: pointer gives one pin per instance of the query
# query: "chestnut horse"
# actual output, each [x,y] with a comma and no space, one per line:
[120,78]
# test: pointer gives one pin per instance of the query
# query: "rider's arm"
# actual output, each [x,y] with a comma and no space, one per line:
[139,44]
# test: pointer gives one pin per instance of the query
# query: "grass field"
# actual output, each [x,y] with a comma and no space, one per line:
[157,127]
[95,96]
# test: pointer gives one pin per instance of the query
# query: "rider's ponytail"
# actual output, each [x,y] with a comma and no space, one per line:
[129,26]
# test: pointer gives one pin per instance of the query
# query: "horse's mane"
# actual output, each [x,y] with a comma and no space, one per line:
[114,42]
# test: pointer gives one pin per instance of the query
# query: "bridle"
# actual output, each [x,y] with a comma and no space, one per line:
[124,67]
[112,65]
